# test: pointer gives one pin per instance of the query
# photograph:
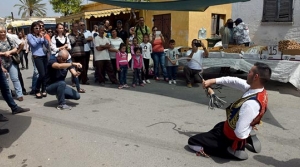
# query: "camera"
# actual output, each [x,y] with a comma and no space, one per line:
[79,70]
[197,43]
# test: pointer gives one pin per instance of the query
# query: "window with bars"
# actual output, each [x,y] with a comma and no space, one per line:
[278,11]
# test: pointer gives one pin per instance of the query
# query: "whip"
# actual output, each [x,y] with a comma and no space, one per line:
[214,100]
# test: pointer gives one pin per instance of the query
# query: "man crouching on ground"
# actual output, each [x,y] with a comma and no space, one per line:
[57,70]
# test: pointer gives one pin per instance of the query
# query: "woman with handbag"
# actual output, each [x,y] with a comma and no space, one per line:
[7,51]
[37,42]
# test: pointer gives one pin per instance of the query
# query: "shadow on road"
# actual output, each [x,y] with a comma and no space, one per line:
[54,103]
[277,163]
[17,125]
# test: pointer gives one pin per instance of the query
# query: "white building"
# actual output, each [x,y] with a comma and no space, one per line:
[270,21]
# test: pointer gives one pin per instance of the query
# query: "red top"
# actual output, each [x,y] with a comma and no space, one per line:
[157,45]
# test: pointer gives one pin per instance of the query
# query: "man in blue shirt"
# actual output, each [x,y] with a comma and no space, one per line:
[57,70]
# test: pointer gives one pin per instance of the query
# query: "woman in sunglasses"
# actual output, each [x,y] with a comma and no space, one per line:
[50,33]
[37,41]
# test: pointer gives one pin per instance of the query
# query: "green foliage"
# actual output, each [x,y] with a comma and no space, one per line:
[66,7]
[31,8]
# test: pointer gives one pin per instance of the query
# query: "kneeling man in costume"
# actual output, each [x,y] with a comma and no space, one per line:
[228,139]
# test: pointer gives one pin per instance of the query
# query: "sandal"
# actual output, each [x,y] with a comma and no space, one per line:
[81,91]
[202,153]
[38,96]
[44,94]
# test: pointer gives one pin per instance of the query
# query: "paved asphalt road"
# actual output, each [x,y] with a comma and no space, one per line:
[143,126]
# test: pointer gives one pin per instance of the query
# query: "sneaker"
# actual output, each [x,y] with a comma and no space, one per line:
[64,107]
[144,82]
[20,110]
[120,87]
[166,79]
[156,78]
[148,81]
[133,85]
[126,86]
[170,82]
[174,82]
[189,85]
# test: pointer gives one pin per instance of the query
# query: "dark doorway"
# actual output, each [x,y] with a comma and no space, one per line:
[163,24]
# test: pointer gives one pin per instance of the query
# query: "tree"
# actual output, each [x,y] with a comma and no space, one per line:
[31,8]
[66,7]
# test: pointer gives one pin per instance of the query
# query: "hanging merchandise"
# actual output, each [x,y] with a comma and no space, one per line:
[202,33]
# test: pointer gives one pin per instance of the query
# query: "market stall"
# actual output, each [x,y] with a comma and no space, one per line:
[283,59]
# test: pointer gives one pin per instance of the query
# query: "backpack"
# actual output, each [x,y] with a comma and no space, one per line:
[136,29]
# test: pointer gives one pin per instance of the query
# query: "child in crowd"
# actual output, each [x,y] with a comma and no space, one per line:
[172,62]
[137,65]
[131,37]
[122,65]
[134,45]
[147,50]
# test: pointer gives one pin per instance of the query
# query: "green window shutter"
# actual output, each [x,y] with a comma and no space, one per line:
[285,12]
[270,11]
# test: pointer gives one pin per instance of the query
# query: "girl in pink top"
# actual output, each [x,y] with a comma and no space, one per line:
[137,65]
[122,65]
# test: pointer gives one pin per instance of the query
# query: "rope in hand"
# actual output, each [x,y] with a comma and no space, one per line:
[214,100]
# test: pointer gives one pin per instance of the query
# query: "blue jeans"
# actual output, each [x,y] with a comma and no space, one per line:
[172,72]
[123,75]
[137,76]
[159,59]
[5,91]
[14,77]
[35,75]
[62,92]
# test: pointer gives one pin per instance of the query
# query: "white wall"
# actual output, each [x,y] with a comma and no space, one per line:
[270,33]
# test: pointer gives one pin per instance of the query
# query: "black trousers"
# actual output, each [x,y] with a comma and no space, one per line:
[145,75]
[41,65]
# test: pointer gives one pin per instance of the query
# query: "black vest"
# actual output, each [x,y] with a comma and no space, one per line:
[58,43]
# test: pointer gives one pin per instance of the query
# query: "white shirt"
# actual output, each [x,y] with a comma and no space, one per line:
[249,110]
[196,62]
[87,46]
[62,40]
[115,43]
[146,50]
[104,54]
[15,38]
[92,43]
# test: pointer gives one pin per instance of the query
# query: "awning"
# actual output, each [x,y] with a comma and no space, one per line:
[89,14]
[20,23]
[175,5]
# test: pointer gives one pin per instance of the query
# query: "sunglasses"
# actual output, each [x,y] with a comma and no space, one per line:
[36,28]
[50,31]
[62,59]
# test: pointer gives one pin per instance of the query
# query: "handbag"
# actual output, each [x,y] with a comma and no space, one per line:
[15,57]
